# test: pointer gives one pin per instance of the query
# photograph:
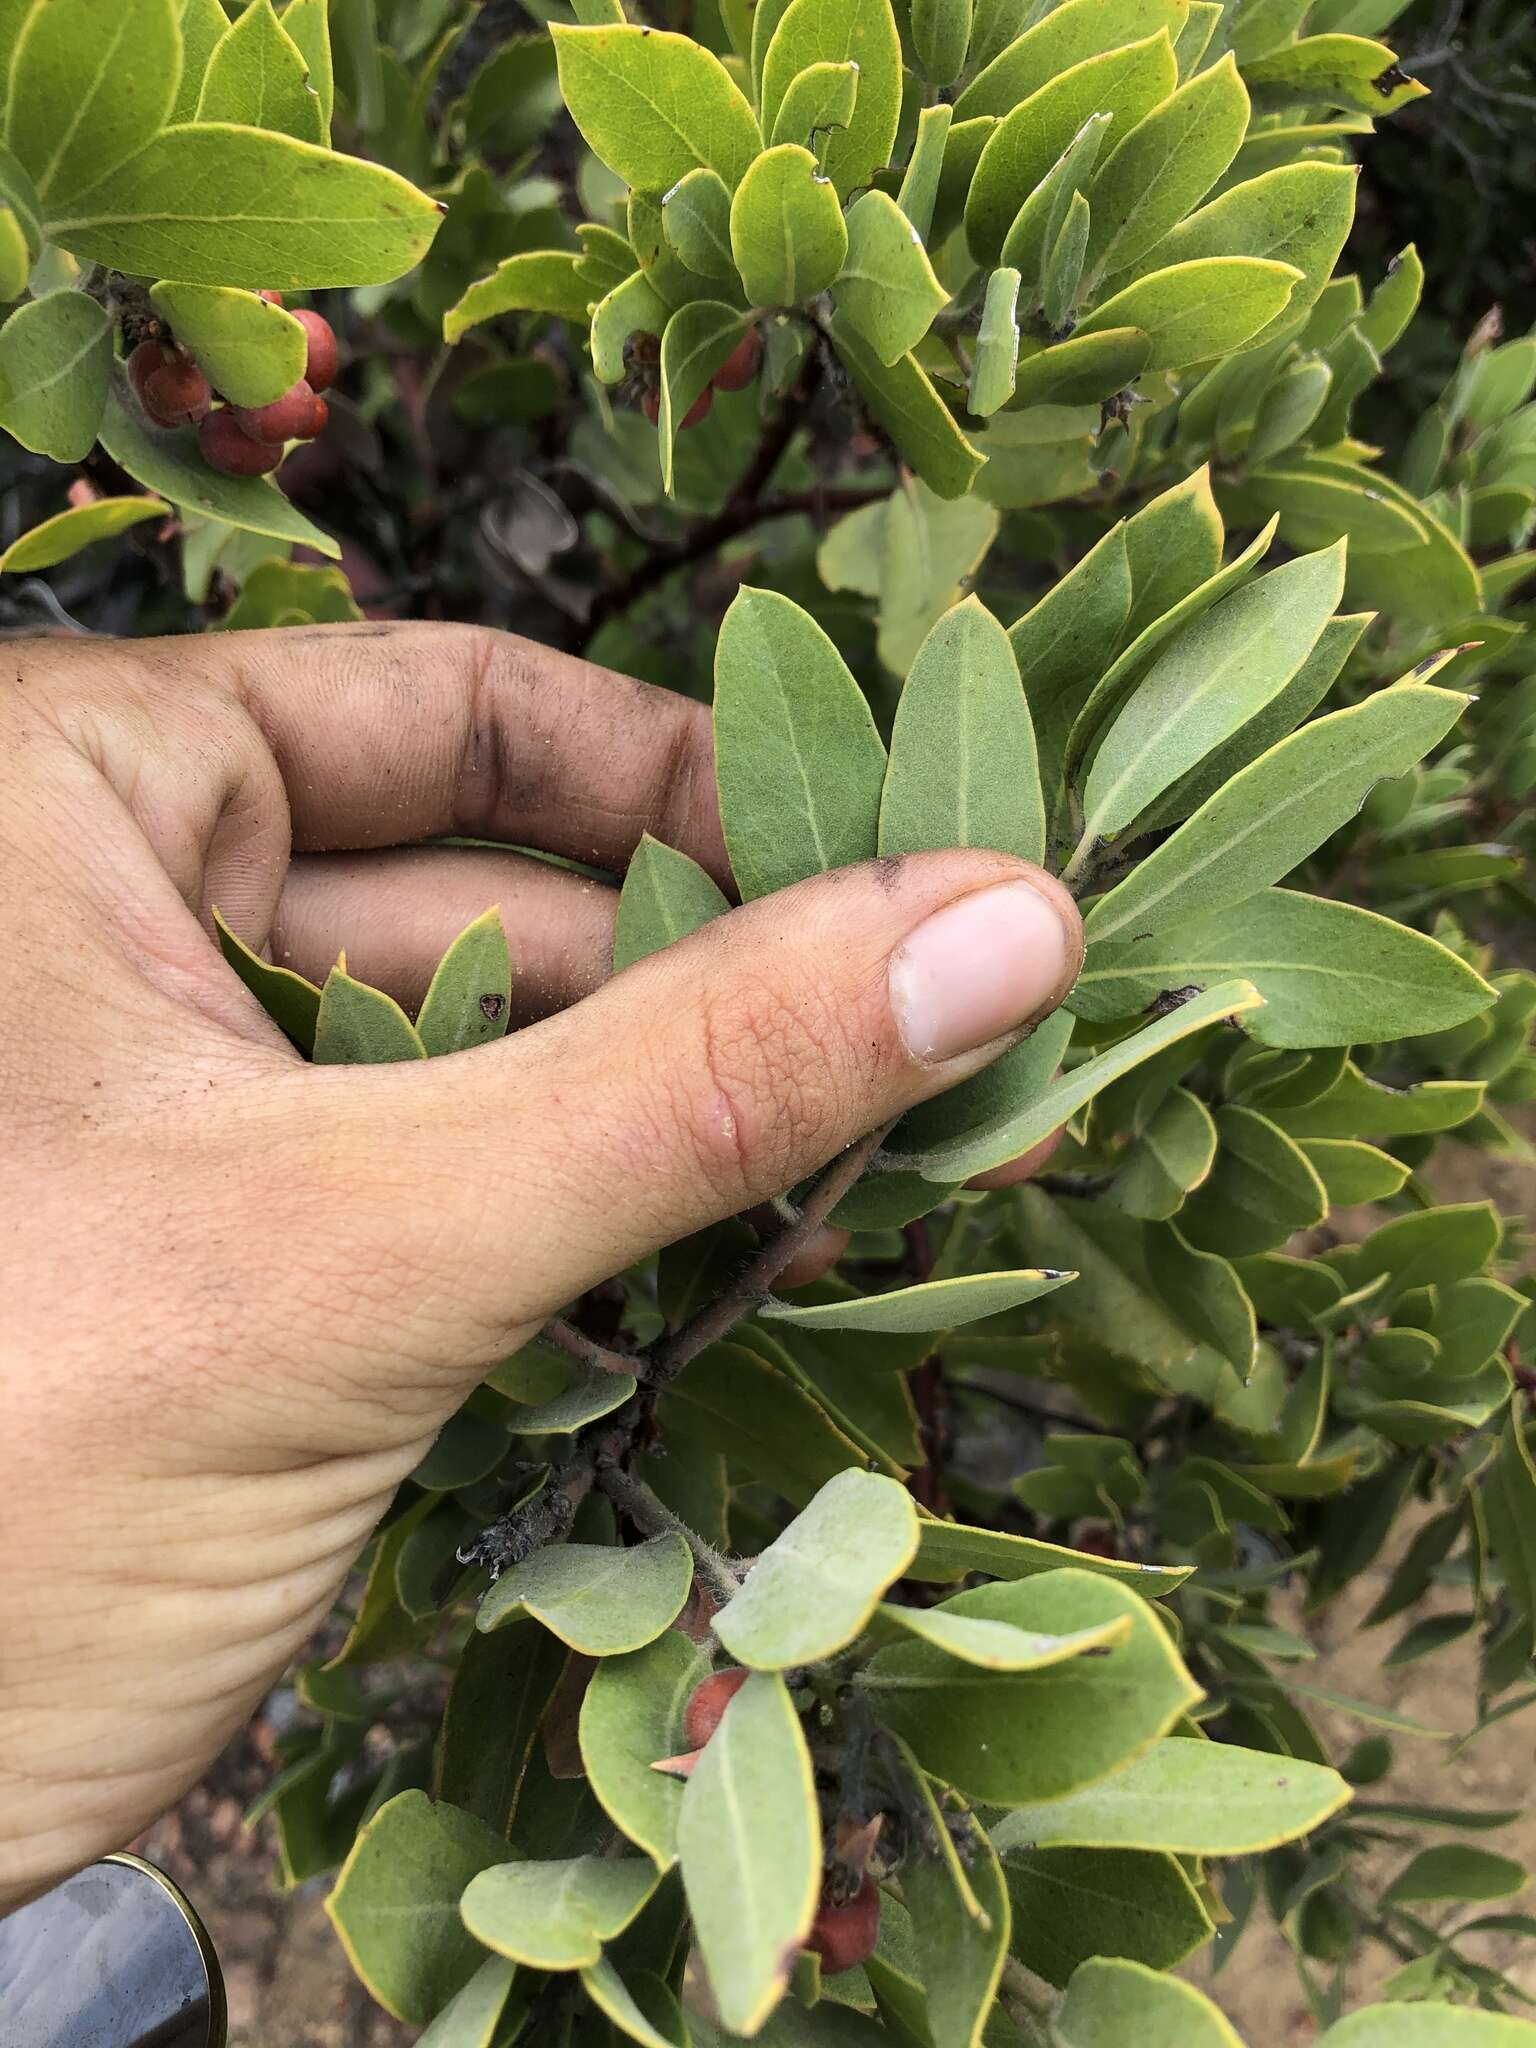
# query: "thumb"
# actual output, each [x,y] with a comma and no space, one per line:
[700,1081]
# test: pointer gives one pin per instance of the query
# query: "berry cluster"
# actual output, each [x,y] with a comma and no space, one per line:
[734,374]
[237,440]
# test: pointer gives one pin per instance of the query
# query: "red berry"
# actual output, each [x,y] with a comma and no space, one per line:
[845,1935]
[319,418]
[699,408]
[320,369]
[171,388]
[286,419]
[272,298]
[742,364]
[650,405]
[707,1704]
[229,449]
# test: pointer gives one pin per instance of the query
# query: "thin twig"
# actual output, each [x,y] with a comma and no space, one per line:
[597,1357]
[721,1315]
[651,1514]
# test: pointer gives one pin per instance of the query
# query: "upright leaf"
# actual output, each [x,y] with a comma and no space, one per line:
[1196,312]
[799,763]
[887,291]
[861,32]
[820,98]
[653,106]
[697,340]
[1110,2000]
[1062,37]
[87,89]
[55,363]
[468,1001]
[361,1026]
[556,1915]
[696,219]
[902,398]
[665,897]
[788,236]
[1165,166]
[257,76]
[631,1716]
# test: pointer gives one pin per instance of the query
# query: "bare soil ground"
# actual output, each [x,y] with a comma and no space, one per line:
[290,1987]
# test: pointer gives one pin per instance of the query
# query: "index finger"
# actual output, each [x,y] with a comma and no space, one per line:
[387,734]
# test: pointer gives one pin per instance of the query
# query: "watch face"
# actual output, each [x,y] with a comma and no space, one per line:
[112,1958]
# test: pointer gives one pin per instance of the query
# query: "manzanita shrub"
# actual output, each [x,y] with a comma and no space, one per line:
[919,1658]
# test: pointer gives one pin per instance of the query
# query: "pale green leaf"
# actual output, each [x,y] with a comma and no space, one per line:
[1164,167]
[66,533]
[556,1915]
[949,1550]
[468,1000]
[820,97]
[309,24]
[1428,2026]
[665,897]
[361,1026]
[886,290]
[266,212]
[653,106]
[632,307]
[55,366]
[598,1598]
[1111,2001]
[620,1998]
[1193,1798]
[996,1645]
[250,350]
[395,1904]
[788,236]
[954,1889]
[1063,37]
[470,2018]
[1192,312]
[1207,1298]
[963,769]
[203,26]
[1064,265]
[928,551]
[697,340]
[1072,1906]
[941,35]
[1334,71]
[539,281]
[257,76]
[1261,1190]
[813,1589]
[749,1839]
[281,593]
[997,346]
[931,1305]
[903,400]
[799,762]
[88,88]
[1171,1155]
[631,1717]
[1062,641]
[763,1417]
[289,1000]
[1455,1870]
[861,32]
[1038,220]
[919,189]
[1275,811]
[696,219]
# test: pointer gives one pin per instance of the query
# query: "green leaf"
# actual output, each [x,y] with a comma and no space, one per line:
[55,363]
[963,768]
[1171,1155]
[1060,643]
[1011,1737]
[87,90]
[697,340]
[1110,2001]
[1010,1135]
[764,1418]
[902,398]
[279,593]
[203,25]
[308,22]
[1455,1870]
[1357,1107]
[997,346]
[289,1000]
[813,1589]
[861,32]
[395,1905]
[257,76]
[696,219]
[920,181]
[1427,2026]
[799,763]
[1124,83]
[556,1915]
[1064,37]
[361,1026]
[932,1305]
[1207,1297]
[540,281]
[886,290]
[1290,405]
[1173,545]
[271,213]
[598,1598]
[587,1398]
[170,464]
[929,549]
[1298,214]
[1192,1798]
[954,1889]
[631,1715]
[500,1693]
[665,897]
[1472,1319]
[1211,679]
[996,1645]
[1164,167]
[1335,71]
[941,34]
[1329,973]
[1261,1190]
[1038,221]
[1071,1906]
[1275,811]
[250,350]
[470,2018]
[820,97]
[788,235]
[632,307]
[618,1999]
[1193,312]
[950,1550]
[1429,1248]
[1353,1172]
[750,1844]
[66,533]
[468,1000]
[654,106]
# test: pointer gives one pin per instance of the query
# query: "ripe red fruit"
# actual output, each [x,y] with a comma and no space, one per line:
[742,364]
[229,449]
[272,298]
[171,388]
[286,419]
[845,1935]
[707,1704]
[318,419]
[650,405]
[320,369]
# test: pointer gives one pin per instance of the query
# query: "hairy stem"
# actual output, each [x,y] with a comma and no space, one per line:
[652,1515]
[597,1357]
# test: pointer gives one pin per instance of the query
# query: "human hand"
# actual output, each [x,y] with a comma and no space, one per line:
[243,1293]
